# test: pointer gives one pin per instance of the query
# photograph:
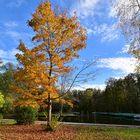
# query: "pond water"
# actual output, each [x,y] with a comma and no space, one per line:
[106,118]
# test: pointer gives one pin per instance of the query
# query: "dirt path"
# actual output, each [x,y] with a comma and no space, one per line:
[95,124]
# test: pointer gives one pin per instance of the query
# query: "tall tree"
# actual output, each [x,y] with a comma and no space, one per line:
[128,13]
[58,38]
[6,78]
[133,95]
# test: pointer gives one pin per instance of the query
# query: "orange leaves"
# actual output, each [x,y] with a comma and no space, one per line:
[60,36]
[27,103]
[42,16]
[22,47]
[58,39]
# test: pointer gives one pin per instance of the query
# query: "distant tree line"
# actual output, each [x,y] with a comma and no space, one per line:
[119,95]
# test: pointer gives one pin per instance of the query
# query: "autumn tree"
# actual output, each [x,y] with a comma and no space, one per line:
[58,38]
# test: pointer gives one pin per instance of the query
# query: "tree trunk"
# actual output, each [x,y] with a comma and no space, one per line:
[61,109]
[49,117]
[49,111]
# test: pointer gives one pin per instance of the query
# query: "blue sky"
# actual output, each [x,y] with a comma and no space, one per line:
[104,42]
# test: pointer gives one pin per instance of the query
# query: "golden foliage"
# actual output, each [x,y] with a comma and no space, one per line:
[58,39]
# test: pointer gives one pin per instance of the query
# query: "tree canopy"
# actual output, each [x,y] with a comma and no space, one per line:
[58,38]
[128,14]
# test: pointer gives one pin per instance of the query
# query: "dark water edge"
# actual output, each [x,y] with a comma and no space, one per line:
[103,119]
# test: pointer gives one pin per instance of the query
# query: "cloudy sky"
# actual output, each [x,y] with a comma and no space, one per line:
[105,41]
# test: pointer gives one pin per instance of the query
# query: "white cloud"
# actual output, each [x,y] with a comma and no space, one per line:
[107,32]
[13,34]
[85,86]
[118,77]
[16,36]
[11,24]
[90,31]
[11,30]
[3,53]
[16,3]
[84,8]
[124,65]
[9,54]
[125,49]
[112,11]
[92,10]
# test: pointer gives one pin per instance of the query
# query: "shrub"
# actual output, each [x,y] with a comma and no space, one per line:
[8,107]
[42,116]
[2,101]
[25,115]
[54,124]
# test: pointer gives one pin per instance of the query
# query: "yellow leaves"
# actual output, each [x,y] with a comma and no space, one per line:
[58,39]
[26,103]
[65,101]
[42,15]
[75,55]
[22,47]
[58,26]
[60,36]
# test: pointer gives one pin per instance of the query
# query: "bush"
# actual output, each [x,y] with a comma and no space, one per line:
[2,101]
[8,107]
[54,124]
[42,116]
[25,115]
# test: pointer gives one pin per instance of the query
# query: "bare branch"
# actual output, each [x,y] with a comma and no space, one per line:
[84,67]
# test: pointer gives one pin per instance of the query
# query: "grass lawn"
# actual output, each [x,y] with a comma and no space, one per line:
[100,133]
[7,121]
[67,132]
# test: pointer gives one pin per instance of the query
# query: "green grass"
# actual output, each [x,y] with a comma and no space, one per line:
[100,133]
[7,121]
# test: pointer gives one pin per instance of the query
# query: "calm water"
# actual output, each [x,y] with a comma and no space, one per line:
[107,118]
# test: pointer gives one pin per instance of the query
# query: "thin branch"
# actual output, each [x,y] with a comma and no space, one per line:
[138,4]
[74,80]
